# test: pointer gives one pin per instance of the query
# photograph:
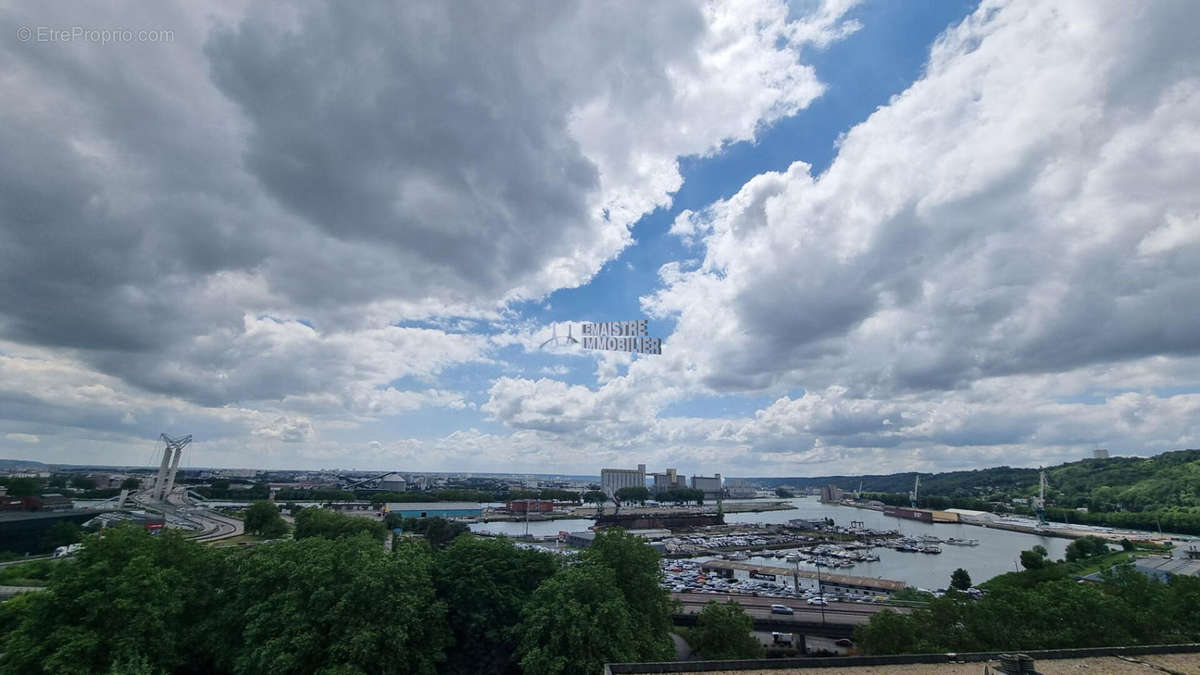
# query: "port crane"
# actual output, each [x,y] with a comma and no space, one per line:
[912,496]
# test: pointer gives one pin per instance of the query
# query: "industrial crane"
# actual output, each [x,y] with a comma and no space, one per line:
[1040,502]
[912,496]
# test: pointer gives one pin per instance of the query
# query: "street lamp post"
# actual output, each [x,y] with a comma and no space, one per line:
[820,594]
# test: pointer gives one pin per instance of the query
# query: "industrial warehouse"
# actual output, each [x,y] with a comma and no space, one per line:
[800,580]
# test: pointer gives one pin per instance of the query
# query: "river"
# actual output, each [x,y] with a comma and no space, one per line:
[998,550]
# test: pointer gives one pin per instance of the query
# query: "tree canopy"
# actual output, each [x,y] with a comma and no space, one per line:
[1044,608]
[960,579]
[486,584]
[639,579]
[125,595]
[317,522]
[633,494]
[262,517]
[723,631]
[575,623]
[345,606]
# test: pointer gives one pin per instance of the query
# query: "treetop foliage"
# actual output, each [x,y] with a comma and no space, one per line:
[334,601]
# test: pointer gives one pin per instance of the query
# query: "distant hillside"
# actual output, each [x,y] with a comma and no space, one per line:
[1170,480]
[21,464]
[959,483]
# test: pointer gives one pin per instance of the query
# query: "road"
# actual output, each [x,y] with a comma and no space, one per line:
[847,613]
[22,561]
[214,527]
[10,591]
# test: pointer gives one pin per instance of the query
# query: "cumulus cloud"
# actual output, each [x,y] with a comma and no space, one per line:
[1022,208]
[996,267]
[244,215]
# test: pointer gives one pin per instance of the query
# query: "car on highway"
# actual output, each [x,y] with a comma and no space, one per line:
[782,609]
[817,601]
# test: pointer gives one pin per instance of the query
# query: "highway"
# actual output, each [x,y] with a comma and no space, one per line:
[845,613]
[213,526]
[216,527]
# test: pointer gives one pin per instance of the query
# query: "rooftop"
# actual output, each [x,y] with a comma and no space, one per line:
[845,579]
[1182,566]
[433,506]
[1183,658]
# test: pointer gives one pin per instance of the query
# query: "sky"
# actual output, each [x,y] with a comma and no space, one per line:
[873,236]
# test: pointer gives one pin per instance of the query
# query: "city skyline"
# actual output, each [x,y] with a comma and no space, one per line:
[872,237]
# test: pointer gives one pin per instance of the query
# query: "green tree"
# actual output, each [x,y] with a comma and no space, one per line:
[574,623]
[635,565]
[131,483]
[22,487]
[1032,560]
[316,605]
[960,579]
[633,494]
[262,518]
[317,522]
[888,632]
[784,493]
[83,483]
[595,497]
[125,595]
[1086,547]
[438,531]
[723,631]
[62,533]
[486,584]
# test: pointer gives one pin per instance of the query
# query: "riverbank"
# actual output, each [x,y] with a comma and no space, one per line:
[648,511]
[1059,530]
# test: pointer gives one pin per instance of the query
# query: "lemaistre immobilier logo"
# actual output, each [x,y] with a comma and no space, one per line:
[612,336]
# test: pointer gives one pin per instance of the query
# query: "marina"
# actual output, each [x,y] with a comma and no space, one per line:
[906,556]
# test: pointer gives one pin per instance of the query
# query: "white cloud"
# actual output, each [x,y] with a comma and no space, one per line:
[22,438]
[983,223]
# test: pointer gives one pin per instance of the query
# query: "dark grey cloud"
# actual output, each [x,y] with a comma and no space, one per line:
[343,164]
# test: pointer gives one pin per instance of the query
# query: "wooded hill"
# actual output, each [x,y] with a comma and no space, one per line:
[1170,480]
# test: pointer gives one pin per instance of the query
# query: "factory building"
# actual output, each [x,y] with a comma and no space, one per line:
[612,480]
[974,517]
[393,482]
[831,493]
[741,489]
[668,480]
[710,484]
[433,509]
[530,505]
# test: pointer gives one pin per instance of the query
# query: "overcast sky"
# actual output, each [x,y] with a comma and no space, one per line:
[877,236]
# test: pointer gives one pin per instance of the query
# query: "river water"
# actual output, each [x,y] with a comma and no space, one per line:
[998,550]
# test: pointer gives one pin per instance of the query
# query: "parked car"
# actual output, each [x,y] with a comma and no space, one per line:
[782,609]
[817,601]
